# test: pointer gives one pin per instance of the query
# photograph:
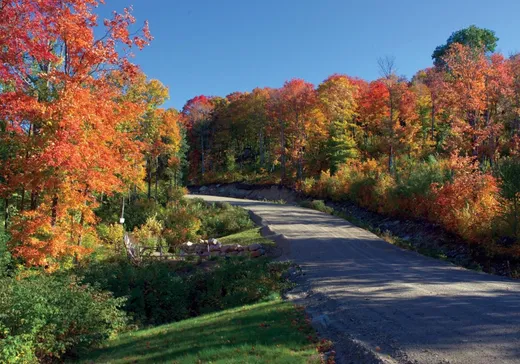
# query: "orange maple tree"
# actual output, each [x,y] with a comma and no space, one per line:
[71,136]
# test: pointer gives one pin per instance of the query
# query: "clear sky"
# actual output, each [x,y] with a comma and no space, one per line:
[215,47]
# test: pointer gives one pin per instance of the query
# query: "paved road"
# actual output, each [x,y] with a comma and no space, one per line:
[406,307]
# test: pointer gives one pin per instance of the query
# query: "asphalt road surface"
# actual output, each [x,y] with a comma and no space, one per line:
[404,307]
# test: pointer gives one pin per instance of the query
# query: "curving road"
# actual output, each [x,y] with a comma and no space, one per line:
[405,307]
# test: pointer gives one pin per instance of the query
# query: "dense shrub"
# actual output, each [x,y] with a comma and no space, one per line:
[180,223]
[413,194]
[454,192]
[153,294]
[232,283]
[149,236]
[224,220]
[508,171]
[219,219]
[6,262]
[137,211]
[45,317]
[157,294]
[111,234]
[468,206]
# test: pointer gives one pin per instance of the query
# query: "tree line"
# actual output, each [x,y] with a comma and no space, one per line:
[442,145]
[79,122]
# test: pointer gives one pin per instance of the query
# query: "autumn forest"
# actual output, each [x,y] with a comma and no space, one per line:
[442,146]
[85,142]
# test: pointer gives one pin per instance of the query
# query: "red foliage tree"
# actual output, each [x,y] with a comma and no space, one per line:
[64,119]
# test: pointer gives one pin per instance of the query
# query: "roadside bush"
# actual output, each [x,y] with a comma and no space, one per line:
[327,186]
[308,187]
[6,261]
[111,235]
[508,171]
[468,206]
[139,211]
[136,212]
[361,190]
[154,294]
[157,294]
[218,222]
[381,200]
[45,317]
[413,191]
[149,235]
[317,205]
[219,219]
[454,193]
[234,282]
[180,224]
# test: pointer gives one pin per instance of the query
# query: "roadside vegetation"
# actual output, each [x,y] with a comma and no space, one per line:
[107,299]
[273,331]
[441,147]
[318,205]
[247,237]
[91,169]
[60,314]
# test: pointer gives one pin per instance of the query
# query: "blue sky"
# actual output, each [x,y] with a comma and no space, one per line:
[216,47]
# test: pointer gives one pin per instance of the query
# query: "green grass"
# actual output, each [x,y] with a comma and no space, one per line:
[247,237]
[269,332]
[318,205]
[276,202]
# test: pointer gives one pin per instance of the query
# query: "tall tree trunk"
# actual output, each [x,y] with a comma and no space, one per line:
[6,213]
[149,177]
[432,131]
[473,123]
[34,199]
[169,190]
[80,237]
[491,139]
[300,164]
[391,149]
[261,147]
[202,169]
[156,177]
[282,145]
[391,159]
[54,210]
[29,134]
[22,202]
[515,217]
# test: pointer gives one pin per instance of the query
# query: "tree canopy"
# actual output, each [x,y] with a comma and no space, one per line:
[472,36]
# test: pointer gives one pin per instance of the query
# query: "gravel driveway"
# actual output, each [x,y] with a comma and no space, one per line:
[383,304]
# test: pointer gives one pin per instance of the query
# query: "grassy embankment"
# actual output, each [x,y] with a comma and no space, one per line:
[269,332]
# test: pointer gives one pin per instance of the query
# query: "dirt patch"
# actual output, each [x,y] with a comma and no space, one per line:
[421,236]
[274,193]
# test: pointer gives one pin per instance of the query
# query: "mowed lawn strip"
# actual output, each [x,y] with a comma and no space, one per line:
[247,237]
[269,332]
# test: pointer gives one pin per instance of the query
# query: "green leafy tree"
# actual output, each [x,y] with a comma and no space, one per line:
[341,146]
[509,173]
[472,36]
[337,96]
